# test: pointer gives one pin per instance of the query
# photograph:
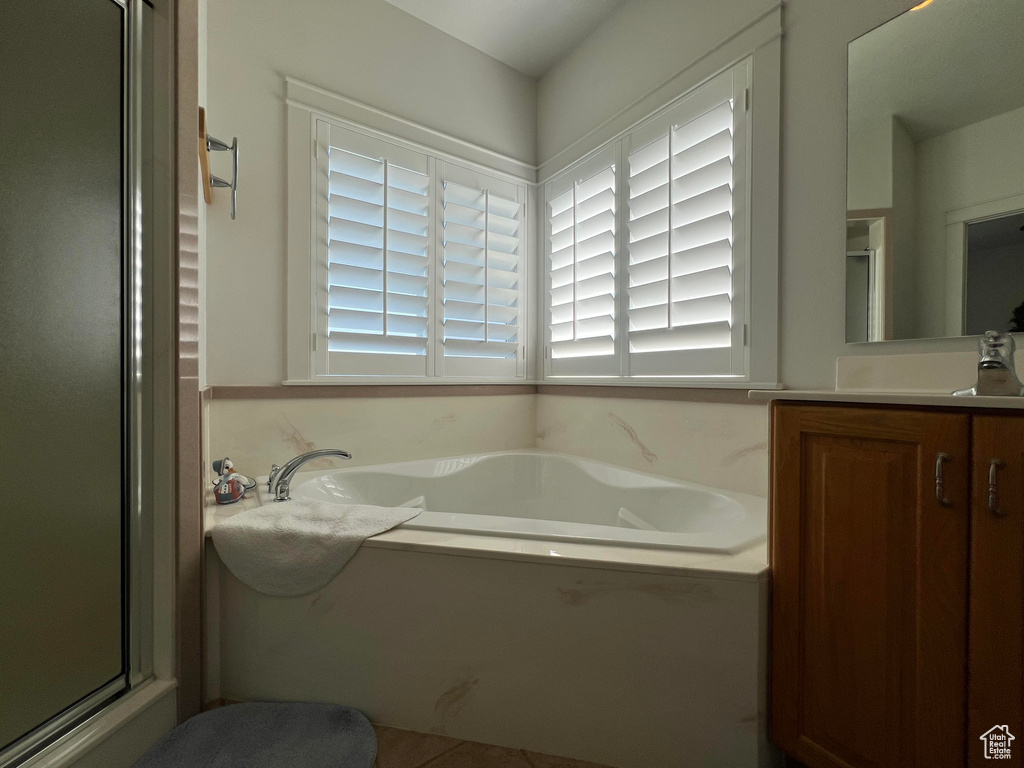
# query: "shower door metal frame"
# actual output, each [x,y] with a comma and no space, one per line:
[137,563]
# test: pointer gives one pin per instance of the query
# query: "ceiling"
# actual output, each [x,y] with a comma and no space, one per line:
[947,65]
[528,35]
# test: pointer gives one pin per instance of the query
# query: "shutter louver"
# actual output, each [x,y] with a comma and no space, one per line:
[377,263]
[680,269]
[582,268]
[482,281]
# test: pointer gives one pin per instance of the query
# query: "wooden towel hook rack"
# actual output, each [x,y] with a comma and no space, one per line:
[206,144]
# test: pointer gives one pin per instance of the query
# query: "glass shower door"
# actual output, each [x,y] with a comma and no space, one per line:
[65,349]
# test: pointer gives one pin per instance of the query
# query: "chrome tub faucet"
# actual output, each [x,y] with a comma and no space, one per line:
[280,479]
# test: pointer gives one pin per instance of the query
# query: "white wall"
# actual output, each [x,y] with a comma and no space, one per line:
[974,164]
[906,312]
[637,48]
[364,49]
[869,182]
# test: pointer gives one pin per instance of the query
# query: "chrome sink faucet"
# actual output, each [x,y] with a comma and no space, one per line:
[996,372]
[280,480]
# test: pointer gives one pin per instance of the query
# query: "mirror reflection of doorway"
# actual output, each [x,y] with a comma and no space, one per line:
[858,295]
[994,274]
[869,265]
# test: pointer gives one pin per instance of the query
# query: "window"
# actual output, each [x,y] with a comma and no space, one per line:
[581,269]
[647,245]
[419,263]
[413,258]
[483,279]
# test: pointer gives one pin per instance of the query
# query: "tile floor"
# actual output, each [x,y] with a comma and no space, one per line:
[408,749]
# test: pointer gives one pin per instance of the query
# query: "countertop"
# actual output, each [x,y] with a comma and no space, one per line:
[927,399]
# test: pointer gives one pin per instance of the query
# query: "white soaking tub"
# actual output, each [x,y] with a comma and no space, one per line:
[551,496]
[542,602]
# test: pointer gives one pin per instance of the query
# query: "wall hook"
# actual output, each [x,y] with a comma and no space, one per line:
[209,144]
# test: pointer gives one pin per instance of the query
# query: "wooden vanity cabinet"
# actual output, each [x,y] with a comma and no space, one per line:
[996,628]
[897,595]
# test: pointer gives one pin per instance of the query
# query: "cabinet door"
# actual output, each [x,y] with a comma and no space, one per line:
[869,582]
[997,591]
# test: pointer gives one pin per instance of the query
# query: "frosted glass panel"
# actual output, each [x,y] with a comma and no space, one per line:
[61,231]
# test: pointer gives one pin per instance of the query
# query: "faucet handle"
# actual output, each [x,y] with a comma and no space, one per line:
[273,476]
[996,349]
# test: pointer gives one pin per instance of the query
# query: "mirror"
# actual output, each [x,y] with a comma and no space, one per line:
[935,173]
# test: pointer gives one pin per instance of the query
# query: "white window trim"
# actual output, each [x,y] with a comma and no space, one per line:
[619,365]
[306,106]
[761,44]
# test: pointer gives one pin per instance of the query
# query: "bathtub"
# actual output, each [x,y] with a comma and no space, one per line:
[542,601]
[543,495]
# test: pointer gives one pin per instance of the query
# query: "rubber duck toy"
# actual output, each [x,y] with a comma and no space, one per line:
[230,486]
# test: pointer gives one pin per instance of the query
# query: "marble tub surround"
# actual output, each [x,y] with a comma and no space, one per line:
[724,445]
[259,433]
[721,444]
[617,667]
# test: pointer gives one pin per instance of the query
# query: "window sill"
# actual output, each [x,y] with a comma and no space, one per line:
[404,381]
[660,383]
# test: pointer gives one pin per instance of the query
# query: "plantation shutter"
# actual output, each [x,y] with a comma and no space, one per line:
[686,191]
[582,269]
[483,282]
[374,220]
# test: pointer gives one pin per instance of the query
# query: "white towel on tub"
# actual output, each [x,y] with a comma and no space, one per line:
[291,548]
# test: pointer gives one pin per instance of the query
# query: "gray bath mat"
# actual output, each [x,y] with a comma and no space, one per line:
[268,736]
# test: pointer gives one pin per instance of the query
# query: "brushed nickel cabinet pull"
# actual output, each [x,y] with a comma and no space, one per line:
[940,491]
[993,489]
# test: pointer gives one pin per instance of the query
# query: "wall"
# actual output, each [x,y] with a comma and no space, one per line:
[869,183]
[364,49]
[974,164]
[906,310]
[258,433]
[724,445]
[638,47]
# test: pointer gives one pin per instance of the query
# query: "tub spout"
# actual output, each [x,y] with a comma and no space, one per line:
[280,480]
